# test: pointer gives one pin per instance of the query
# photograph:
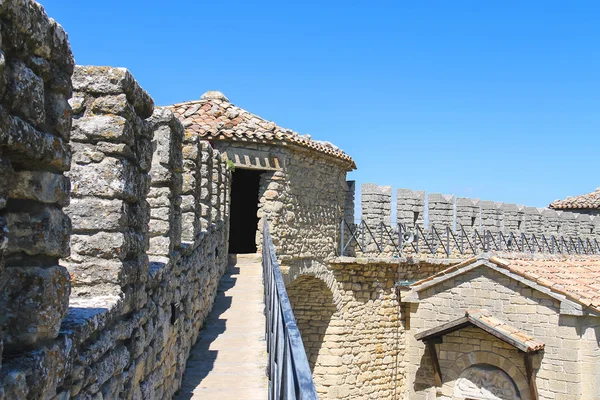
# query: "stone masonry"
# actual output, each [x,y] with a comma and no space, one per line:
[106,298]
[472,214]
[35,125]
[348,316]
[564,369]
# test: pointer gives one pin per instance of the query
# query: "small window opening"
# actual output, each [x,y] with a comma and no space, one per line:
[519,225]
[174,313]
[415,217]
[473,221]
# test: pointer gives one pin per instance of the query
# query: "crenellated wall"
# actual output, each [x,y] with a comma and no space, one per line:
[113,225]
[35,124]
[470,214]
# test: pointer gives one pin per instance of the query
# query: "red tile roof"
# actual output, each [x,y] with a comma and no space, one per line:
[588,201]
[483,319]
[576,277]
[213,117]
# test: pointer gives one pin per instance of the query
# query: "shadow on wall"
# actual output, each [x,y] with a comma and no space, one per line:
[202,359]
[313,306]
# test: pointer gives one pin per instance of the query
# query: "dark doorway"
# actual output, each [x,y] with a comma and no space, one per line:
[244,207]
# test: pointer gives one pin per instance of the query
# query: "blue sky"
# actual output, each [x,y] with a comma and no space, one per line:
[498,100]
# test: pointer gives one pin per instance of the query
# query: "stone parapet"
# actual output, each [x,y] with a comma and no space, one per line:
[470,214]
[124,173]
[376,204]
[112,158]
[410,207]
[164,197]
[36,64]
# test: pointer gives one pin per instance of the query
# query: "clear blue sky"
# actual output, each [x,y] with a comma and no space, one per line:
[498,100]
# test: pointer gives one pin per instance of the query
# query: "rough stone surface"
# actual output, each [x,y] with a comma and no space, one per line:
[348,316]
[43,293]
[36,64]
[303,200]
[563,369]
[139,297]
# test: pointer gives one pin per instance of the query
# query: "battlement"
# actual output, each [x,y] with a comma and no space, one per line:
[469,214]
[113,224]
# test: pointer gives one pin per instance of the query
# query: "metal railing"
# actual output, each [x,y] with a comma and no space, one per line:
[385,239]
[288,369]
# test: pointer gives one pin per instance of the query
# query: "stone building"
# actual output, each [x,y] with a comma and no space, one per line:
[297,183]
[585,204]
[504,327]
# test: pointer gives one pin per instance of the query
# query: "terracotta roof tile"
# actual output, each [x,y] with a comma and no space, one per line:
[484,317]
[214,117]
[588,201]
[576,277]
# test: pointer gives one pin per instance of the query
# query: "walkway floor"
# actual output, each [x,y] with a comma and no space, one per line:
[229,359]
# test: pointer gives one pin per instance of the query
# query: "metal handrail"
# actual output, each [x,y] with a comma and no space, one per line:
[288,369]
[446,238]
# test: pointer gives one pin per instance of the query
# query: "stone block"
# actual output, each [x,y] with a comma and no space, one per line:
[25,93]
[42,186]
[30,148]
[33,304]
[110,178]
[95,272]
[113,105]
[59,114]
[43,231]
[6,174]
[92,214]
[108,245]
[95,128]
[113,81]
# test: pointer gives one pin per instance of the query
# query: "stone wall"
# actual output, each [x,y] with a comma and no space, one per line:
[112,156]
[470,214]
[564,369]
[348,316]
[35,124]
[120,319]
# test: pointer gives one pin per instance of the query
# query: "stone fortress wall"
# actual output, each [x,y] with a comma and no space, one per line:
[113,225]
[470,214]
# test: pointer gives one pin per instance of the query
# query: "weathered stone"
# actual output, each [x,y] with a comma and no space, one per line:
[29,147]
[110,178]
[42,186]
[93,214]
[102,128]
[25,93]
[108,245]
[34,303]
[113,81]
[39,232]
[59,114]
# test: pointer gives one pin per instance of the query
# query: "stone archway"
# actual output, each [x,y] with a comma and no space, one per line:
[318,319]
[475,365]
[313,306]
[485,382]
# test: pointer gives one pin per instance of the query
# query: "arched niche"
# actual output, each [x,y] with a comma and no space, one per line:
[485,382]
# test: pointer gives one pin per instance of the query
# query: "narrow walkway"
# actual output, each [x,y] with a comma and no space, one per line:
[230,358]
